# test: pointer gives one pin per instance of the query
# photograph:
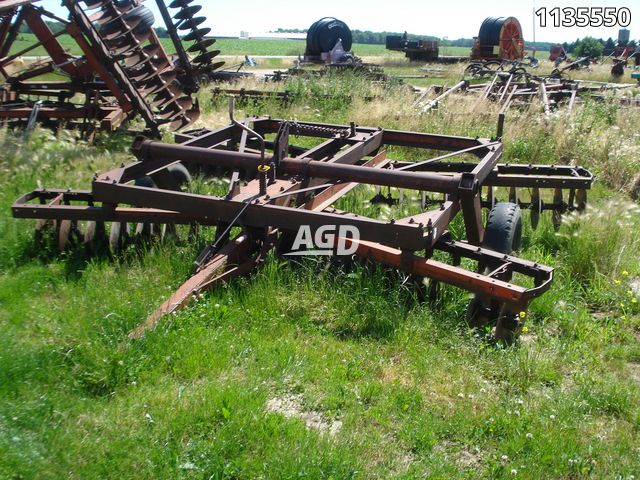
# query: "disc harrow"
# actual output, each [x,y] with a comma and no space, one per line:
[123,70]
[187,26]
[276,189]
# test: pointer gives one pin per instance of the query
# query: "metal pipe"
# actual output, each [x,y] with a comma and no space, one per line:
[434,103]
[158,151]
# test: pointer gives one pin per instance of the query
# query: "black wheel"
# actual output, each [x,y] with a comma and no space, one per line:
[146,18]
[180,173]
[504,228]
[503,234]
[145,181]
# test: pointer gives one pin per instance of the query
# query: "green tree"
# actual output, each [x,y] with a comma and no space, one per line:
[609,45]
[588,47]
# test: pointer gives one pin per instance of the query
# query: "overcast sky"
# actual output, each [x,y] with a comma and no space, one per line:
[441,18]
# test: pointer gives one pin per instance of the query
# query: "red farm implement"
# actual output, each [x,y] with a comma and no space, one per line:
[276,188]
[122,70]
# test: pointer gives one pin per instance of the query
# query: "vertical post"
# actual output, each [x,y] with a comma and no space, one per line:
[471,205]
[185,63]
[534,21]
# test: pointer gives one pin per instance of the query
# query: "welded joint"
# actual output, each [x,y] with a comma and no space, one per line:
[469,185]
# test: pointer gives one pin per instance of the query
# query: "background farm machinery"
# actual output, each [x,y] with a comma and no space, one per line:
[499,38]
[123,71]
[329,40]
[511,84]
[275,188]
[414,50]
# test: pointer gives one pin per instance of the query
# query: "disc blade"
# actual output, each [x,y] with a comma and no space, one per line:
[215,66]
[202,45]
[187,12]
[96,3]
[206,57]
[192,24]
[196,34]
[185,120]
[180,3]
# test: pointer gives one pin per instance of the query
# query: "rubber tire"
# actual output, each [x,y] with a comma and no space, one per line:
[147,18]
[180,173]
[145,181]
[504,228]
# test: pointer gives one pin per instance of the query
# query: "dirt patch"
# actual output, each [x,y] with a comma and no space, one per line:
[635,286]
[395,372]
[528,338]
[600,316]
[462,455]
[634,371]
[290,406]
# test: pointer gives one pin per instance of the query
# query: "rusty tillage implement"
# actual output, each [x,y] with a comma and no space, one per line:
[123,70]
[517,87]
[275,188]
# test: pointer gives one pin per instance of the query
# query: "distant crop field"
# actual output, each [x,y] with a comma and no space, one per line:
[240,47]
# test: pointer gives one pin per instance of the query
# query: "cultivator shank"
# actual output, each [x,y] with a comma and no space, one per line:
[276,188]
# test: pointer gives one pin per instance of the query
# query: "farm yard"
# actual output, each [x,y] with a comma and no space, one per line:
[310,368]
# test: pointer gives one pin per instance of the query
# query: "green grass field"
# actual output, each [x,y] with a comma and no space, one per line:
[237,47]
[306,371]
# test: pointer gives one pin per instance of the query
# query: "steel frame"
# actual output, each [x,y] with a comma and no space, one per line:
[287,186]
